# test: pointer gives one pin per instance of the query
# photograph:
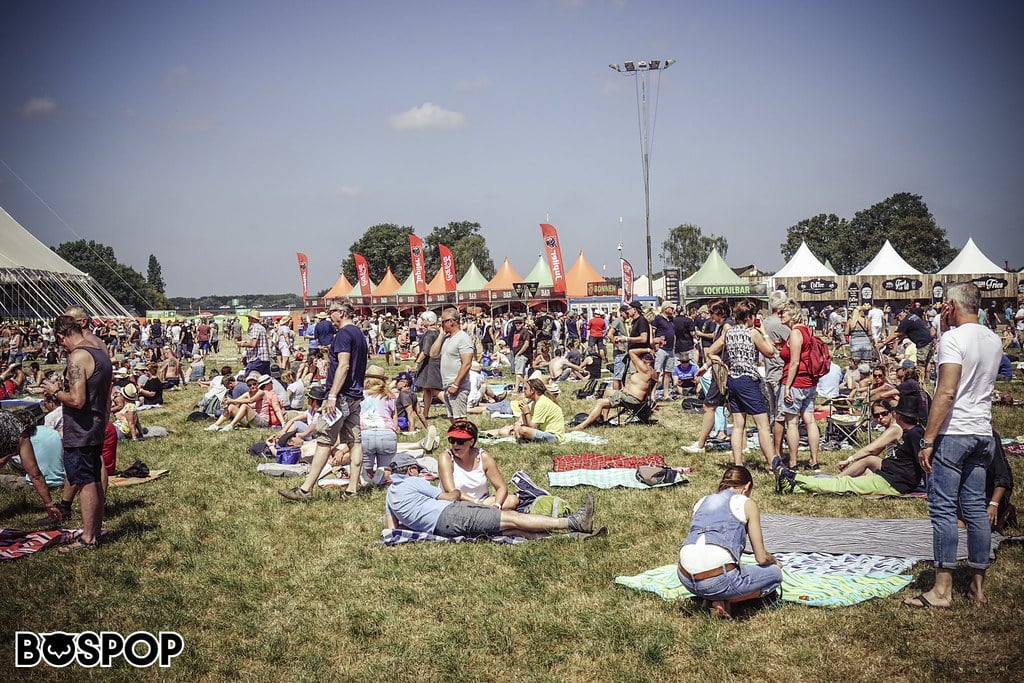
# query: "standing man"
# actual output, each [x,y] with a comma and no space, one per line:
[595,333]
[683,325]
[346,370]
[85,398]
[619,337]
[455,348]
[389,333]
[778,335]
[203,331]
[521,343]
[665,355]
[912,327]
[958,445]
[257,358]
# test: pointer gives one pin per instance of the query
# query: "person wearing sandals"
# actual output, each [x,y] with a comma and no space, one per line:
[797,393]
[709,559]
[470,469]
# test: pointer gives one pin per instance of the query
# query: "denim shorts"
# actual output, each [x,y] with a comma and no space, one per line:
[82,464]
[803,400]
[544,437]
[468,519]
[745,396]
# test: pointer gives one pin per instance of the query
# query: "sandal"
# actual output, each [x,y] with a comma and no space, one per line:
[77,544]
[348,495]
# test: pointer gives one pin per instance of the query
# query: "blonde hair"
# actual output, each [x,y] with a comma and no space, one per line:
[376,386]
[796,314]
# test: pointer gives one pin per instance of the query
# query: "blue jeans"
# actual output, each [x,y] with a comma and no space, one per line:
[737,583]
[379,449]
[958,476]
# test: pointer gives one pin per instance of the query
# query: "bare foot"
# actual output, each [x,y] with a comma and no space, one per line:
[721,608]
[976,598]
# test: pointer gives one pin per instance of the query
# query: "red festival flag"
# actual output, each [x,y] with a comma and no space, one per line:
[447,267]
[416,253]
[304,274]
[362,274]
[554,252]
[627,282]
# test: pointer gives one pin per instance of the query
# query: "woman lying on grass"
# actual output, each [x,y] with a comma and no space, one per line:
[709,561]
[469,469]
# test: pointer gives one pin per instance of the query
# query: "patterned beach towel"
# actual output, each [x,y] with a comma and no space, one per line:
[606,479]
[813,580]
[15,543]
[596,461]
[400,536]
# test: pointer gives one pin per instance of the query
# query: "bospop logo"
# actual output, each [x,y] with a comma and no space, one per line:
[415,251]
[550,242]
[88,648]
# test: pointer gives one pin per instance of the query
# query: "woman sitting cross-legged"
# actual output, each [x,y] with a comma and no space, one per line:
[470,470]
[709,560]
[541,418]
[887,466]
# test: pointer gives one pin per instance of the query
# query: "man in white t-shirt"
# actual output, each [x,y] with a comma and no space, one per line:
[958,445]
[875,317]
[456,349]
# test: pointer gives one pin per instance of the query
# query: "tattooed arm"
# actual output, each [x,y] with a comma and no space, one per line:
[80,368]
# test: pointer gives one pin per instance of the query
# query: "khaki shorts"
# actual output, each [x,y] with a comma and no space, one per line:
[621,398]
[345,430]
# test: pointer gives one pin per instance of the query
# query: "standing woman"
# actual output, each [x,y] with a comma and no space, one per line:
[428,370]
[470,469]
[376,423]
[709,560]
[744,345]
[798,390]
[858,331]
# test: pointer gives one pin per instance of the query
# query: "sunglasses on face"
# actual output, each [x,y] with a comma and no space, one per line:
[881,413]
[879,376]
[457,442]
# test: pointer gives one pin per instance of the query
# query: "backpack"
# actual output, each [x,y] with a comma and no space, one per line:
[819,360]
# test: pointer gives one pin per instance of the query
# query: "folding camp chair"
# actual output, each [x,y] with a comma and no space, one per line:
[642,413]
[847,423]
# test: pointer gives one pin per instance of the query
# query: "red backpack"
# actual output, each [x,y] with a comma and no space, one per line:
[818,360]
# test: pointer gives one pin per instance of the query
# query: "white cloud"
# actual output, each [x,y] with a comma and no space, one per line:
[481,81]
[427,116]
[352,191]
[39,108]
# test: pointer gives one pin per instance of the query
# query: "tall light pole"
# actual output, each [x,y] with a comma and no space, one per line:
[640,71]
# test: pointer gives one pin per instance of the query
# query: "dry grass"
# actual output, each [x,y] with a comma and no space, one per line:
[264,590]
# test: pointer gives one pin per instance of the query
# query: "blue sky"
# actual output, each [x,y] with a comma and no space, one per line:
[223,135]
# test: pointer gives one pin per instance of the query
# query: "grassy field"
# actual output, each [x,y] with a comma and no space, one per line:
[264,590]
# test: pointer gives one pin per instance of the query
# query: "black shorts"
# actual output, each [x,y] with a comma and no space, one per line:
[714,398]
[468,519]
[83,464]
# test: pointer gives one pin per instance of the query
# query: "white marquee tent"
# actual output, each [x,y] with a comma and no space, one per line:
[37,283]
[971,261]
[887,262]
[804,264]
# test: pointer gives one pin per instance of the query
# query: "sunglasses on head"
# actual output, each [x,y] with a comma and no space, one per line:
[457,442]
[881,413]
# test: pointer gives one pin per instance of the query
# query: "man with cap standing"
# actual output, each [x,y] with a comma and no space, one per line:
[327,326]
[455,348]
[958,445]
[664,331]
[912,327]
[414,504]
[257,357]
[339,420]
[389,333]
[595,333]
[618,335]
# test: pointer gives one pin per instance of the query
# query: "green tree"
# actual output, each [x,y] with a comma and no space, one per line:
[155,275]
[451,236]
[473,249]
[849,245]
[383,245]
[124,283]
[686,248]
[828,236]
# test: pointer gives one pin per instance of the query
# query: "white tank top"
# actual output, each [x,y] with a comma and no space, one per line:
[472,482]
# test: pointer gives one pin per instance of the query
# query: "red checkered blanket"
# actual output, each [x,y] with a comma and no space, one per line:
[596,461]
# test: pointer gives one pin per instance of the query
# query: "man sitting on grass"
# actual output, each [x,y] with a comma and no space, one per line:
[414,504]
[633,393]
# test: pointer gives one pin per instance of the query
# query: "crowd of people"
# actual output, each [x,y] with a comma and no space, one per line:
[361,381]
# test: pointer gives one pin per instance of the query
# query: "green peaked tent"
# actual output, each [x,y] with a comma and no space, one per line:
[716,279]
[408,287]
[541,273]
[472,281]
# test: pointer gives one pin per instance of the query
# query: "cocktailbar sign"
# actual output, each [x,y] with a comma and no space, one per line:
[735,290]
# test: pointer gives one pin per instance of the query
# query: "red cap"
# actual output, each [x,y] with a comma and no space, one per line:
[460,434]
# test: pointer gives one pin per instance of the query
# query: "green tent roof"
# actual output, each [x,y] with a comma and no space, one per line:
[541,273]
[472,281]
[715,271]
[409,286]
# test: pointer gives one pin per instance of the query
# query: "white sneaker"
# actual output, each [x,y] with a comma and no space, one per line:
[431,440]
[693,448]
[213,428]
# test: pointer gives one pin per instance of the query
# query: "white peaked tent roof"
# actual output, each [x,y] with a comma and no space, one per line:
[804,264]
[970,261]
[37,283]
[888,262]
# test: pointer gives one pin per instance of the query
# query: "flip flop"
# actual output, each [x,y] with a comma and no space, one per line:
[922,603]
[77,544]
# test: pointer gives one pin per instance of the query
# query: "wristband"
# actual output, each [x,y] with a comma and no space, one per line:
[992,502]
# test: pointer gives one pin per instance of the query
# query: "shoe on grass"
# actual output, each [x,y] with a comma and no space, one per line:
[777,465]
[693,448]
[296,495]
[583,519]
[786,480]
[213,428]
[431,440]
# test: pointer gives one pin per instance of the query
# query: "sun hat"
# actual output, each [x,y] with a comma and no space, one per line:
[908,364]
[375,371]
[130,392]
[553,388]
[316,393]
[263,380]
[253,313]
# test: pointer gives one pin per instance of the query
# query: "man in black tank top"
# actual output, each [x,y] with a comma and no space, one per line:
[85,395]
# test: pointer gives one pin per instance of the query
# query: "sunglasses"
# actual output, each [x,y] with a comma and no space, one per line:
[879,376]
[457,442]
[881,413]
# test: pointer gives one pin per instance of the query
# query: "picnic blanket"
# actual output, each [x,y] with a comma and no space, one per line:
[15,543]
[596,461]
[588,438]
[606,479]
[809,579]
[400,536]
[906,538]
[132,481]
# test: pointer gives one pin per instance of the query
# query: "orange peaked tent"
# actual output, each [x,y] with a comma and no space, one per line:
[504,278]
[578,276]
[389,284]
[436,286]
[340,289]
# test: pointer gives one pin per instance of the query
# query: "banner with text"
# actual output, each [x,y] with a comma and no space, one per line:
[418,272]
[627,281]
[303,274]
[447,267]
[362,274]
[554,253]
